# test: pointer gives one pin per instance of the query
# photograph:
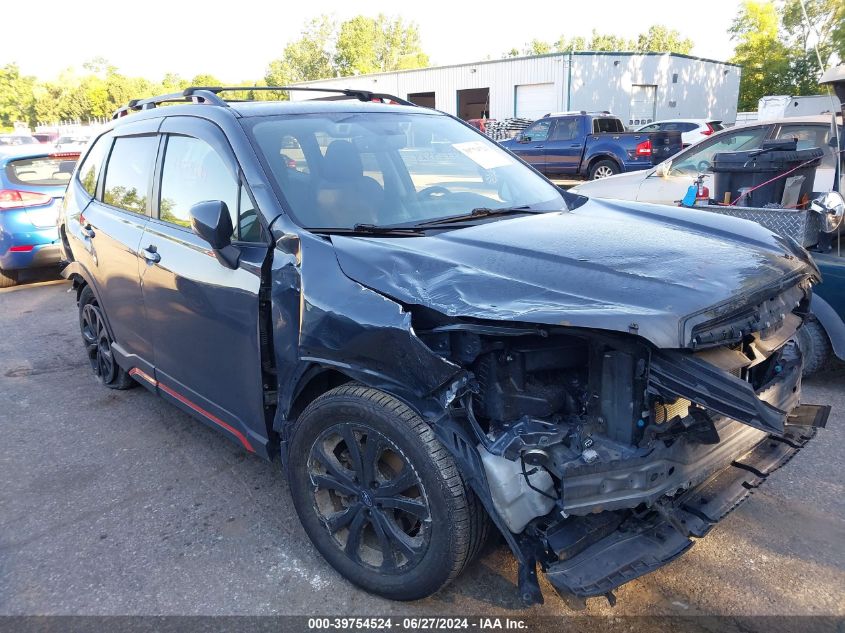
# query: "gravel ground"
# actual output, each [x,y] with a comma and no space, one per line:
[116,503]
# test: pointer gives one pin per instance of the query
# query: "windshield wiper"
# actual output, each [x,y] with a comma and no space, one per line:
[480,212]
[369,229]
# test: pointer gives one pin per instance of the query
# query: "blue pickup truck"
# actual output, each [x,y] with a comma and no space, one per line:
[590,145]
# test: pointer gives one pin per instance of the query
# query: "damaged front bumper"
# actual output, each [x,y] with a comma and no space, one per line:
[636,545]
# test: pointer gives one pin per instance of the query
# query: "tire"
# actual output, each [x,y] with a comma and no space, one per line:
[98,343]
[815,346]
[603,169]
[401,546]
[8,278]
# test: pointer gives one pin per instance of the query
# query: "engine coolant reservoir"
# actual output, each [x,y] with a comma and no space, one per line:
[516,502]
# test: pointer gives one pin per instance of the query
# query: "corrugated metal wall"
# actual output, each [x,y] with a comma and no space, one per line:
[599,82]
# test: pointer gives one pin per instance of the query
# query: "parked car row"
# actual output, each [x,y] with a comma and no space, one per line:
[434,339]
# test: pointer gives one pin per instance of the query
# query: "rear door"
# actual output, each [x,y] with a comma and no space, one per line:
[565,146]
[111,226]
[203,315]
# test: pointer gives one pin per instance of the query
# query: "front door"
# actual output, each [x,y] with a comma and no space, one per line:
[532,144]
[565,146]
[203,315]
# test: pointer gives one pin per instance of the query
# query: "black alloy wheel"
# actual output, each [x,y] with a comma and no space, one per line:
[379,496]
[369,498]
[98,343]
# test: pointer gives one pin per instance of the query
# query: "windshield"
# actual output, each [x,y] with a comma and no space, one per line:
[342,169]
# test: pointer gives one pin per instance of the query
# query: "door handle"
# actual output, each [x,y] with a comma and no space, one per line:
[575,145]
[151,254]
[539,146]
[87,231]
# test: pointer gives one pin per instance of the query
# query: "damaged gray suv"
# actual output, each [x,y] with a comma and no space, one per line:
[434,340]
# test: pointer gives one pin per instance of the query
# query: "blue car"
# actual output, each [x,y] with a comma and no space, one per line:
[32,184]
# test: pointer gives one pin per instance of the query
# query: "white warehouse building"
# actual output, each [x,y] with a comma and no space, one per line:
[637,87]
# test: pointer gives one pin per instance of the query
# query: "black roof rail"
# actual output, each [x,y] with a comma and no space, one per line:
[210,95]
[348,93]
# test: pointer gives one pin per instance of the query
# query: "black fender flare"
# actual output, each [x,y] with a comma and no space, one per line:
[832,323]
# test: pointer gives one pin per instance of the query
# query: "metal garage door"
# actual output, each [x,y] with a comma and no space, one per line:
[535,100]
[643,104]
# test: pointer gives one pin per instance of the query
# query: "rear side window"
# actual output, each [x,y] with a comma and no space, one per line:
[605,126]
[194,172]
[89,171]
[717,126]
[129,173]
[567,129]
[44,171]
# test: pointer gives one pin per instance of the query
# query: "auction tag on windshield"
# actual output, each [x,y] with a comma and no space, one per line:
[483,155]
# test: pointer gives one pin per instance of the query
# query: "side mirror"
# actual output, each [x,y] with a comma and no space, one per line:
[662,170]
[210,220]
[521,138]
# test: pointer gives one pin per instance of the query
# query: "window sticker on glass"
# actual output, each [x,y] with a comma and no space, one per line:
[483,155]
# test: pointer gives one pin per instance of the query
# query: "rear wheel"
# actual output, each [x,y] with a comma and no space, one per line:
[379,496]
[8,278]
[603,169]
[815,346]
[98,343]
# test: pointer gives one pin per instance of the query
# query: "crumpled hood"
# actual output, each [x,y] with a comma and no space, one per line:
[609,265]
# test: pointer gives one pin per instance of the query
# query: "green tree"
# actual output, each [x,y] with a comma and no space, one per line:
[565,45]
[205,80]
[16,96]
[307,58]
[763,56]
[381,44]
[659,39]
[810,39]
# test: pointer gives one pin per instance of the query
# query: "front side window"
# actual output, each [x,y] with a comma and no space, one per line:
[89,171]
[129,173]
[194,172]
[699,158]
[539,131]
[387,168]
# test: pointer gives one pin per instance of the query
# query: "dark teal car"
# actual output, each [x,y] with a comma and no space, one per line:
[32,184]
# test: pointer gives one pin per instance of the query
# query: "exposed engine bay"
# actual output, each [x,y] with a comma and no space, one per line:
[588,436]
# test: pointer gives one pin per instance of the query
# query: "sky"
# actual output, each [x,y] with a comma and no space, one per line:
[235,40]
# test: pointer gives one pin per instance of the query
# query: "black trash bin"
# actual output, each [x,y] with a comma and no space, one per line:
[736,172]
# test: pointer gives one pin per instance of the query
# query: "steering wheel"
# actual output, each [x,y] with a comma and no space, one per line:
[434,190]
[703,165]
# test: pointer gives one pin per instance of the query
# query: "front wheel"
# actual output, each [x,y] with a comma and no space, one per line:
[815,346]
[603,169]
[379,496]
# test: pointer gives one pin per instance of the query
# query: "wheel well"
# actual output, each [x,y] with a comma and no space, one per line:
[79,284]
[313,388]
[602,157]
